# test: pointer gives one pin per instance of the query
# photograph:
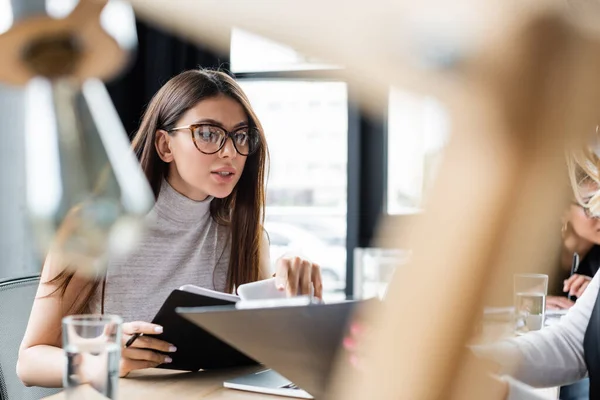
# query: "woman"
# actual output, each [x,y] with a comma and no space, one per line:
[203,151]
[580,234]
[570,350]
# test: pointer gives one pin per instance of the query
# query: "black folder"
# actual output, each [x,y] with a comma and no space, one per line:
[196,348]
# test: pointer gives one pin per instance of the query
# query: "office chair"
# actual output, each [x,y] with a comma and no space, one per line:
[16,298]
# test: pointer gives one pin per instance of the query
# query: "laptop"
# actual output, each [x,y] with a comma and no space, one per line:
[269,382]
[299,342]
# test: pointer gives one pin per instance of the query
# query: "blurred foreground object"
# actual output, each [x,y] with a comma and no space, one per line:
[520,80]
[78,158]
[76,39]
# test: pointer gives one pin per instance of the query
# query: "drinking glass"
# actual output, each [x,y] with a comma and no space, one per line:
[530,292]
[92,344]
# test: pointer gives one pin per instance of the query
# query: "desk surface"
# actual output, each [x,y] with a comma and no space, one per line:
[164,384]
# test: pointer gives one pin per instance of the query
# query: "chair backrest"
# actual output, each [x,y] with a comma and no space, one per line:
[16,299]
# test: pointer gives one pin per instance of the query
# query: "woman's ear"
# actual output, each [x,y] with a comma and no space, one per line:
[565,221]
[162,142]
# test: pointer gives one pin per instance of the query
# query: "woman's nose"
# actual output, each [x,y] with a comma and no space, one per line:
[228,149]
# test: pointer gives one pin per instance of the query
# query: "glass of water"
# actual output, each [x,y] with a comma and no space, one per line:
[92,345]
[530,302]
[373,270]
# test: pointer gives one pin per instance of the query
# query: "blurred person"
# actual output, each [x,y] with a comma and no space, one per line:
[568,351]
[580,234]
[565,353]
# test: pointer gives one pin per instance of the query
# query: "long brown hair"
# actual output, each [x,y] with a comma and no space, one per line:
[242,210]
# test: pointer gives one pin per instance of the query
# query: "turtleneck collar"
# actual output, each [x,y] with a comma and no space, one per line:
[176,207]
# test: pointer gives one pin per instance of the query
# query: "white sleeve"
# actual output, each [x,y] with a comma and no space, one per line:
[553,356]
[520,391]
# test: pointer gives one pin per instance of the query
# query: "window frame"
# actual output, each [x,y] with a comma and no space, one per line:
[366,162]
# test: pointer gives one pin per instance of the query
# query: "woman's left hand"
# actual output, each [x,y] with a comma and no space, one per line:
[558,303]
[296,275]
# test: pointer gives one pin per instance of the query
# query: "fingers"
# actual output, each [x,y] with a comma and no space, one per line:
[564,303]
[357,329]
[550,305]
[294,271]
[296,276]
[128,365]
[349,343]
[146,355]
[281,273]
[288,275]
[143,352]
[146,342]
[577,285]
[582,288]
[130,328]
[558,303]
[568,283]
[305,275]
[132,359]
[317,281]
[352,344]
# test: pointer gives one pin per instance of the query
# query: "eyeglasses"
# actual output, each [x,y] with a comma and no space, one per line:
[588,213]
[210,139]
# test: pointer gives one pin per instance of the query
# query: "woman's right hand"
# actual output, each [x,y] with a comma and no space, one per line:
[141,353]
[576,284]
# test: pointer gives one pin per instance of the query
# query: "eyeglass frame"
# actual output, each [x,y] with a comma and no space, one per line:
[228,135]
[586,211]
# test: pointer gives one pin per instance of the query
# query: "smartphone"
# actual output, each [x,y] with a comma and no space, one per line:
[260,290]
[297,301]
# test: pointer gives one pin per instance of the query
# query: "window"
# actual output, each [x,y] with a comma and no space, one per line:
[305,124]
[254,53]
[277,239]
[418,130]
[6,16]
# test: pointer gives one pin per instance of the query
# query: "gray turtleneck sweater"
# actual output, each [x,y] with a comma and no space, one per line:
[182,245]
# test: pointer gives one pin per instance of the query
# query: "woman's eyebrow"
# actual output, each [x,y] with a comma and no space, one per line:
[218,123]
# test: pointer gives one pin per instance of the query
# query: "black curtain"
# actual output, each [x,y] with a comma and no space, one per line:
[160,56]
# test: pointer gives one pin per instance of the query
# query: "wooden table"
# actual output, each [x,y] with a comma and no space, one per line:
[164,384]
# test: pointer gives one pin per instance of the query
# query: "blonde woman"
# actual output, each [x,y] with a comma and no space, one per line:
[580,232]
[570,350]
